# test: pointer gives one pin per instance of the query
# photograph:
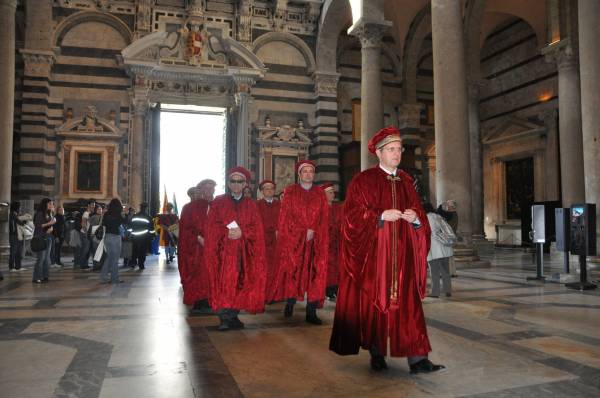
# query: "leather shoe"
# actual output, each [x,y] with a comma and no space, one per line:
[314,319]
[235,323]
[224,326]
[288,311]
[378,363]
[425,366]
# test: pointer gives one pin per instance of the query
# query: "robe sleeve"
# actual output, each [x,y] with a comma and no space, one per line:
[359,228]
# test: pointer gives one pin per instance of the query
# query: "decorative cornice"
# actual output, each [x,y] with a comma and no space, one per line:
[562,53]
[370,33]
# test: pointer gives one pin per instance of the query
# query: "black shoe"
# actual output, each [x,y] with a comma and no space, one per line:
[425,366]
[288,311]
[235,323]
[378,363]
[39,281]
[314,319]
[223,327]
[45,280]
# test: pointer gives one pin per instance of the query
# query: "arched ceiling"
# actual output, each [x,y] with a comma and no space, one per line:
[531,11]
[402,13]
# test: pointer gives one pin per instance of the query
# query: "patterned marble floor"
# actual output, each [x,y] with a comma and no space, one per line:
[499,336]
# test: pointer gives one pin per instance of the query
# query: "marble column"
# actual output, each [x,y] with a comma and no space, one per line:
[242,99]
[551,157]
[137,148]
[7,93]
[589,63]
[569,112]
[476,159]
[452,141]
[371,96]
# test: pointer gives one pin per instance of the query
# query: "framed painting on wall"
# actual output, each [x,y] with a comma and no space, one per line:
[283,171]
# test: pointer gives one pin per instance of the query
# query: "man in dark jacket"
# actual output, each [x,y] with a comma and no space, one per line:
[142,232]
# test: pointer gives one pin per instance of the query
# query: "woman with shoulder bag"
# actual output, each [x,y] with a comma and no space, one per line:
[111,221]
[42,239]
[440,252]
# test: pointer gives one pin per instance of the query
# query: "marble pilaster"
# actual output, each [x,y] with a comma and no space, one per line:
[569,110]
[136,145]
[7,93]
[589,54]
[451,111]
[476,161]
[324,151]
[370,34]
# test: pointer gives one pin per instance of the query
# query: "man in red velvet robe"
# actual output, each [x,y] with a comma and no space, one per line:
[192,268]
[385,241]
[235,253]
[268,207]
[333,259]
[302,244]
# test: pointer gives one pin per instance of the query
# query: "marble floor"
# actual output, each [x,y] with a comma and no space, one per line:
[499,335]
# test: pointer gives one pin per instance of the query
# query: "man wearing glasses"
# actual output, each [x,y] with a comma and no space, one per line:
[302,244]
[384,246]
[235,253]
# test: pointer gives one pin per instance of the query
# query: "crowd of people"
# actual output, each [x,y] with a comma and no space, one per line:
[98,236]
[370,255]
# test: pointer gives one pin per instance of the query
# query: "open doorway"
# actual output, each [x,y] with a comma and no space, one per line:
[192,148]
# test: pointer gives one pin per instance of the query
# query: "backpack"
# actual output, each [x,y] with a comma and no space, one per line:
[445,235]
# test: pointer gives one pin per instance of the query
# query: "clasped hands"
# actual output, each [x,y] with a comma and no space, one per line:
[394,215]
[235,233]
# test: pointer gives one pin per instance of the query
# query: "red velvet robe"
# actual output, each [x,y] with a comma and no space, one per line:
[190,253]
[269,213]
[237,267]
[333,262]
[302,265]
[367,313]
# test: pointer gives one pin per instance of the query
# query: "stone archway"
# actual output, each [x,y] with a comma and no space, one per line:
[188,67]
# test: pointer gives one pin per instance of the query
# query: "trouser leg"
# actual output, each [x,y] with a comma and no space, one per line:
[435,277]
[446,278]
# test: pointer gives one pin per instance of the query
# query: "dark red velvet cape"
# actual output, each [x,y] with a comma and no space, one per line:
[237,266]
[302,265]
[333,262]
[269,213]
[190,253]
[365,313]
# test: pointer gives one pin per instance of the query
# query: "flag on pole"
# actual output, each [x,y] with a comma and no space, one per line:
[175,204]
[165,202]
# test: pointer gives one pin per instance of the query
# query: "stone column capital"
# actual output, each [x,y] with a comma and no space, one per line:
[326,83]
[8,6]
[370,33]
[562,53]
[38,62]
[409,115]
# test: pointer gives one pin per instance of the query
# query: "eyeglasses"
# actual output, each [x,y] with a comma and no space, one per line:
[237,181]
[391,149]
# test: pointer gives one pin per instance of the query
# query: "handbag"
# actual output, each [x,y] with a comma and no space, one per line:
[100,254]
[39,243]
[99,233]
[445,235]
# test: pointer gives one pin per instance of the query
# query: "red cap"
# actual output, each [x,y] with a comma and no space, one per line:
[384,137]
[263,182]
[241,171]
[303,163]
[327,186]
